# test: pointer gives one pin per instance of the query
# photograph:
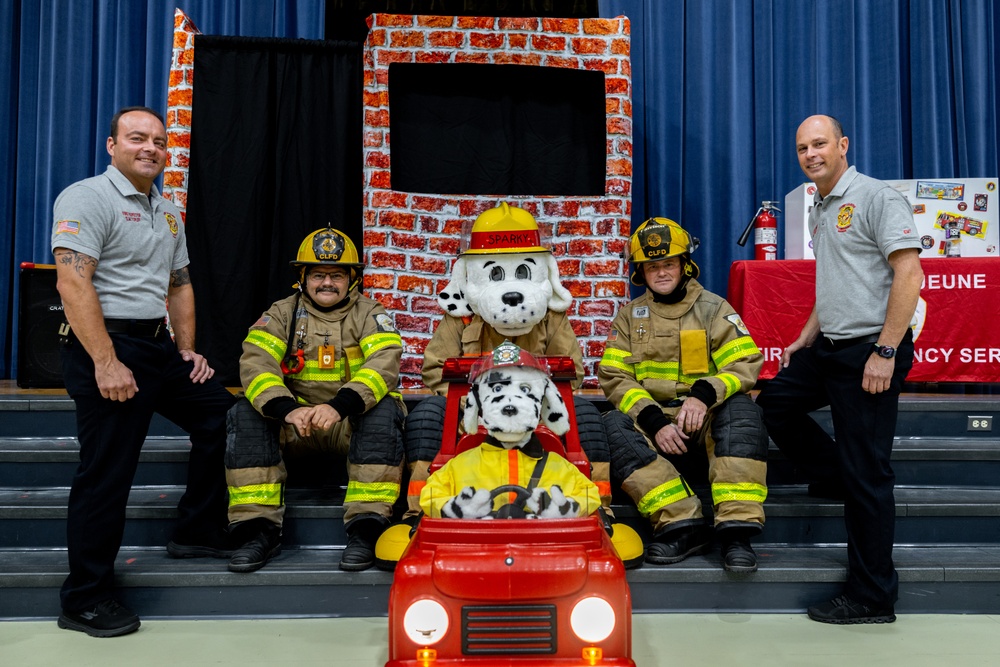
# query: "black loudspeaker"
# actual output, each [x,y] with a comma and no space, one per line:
[40,312]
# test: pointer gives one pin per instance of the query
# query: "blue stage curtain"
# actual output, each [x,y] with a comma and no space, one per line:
[70,66]
[719,88]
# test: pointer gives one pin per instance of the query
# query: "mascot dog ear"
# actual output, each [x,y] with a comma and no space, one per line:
[470,420]
[554,410]
[452,298]
[561,297]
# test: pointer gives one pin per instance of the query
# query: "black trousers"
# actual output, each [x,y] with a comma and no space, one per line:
[111,435]
[864,426]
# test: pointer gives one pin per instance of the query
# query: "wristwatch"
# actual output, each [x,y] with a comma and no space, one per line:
[884,351]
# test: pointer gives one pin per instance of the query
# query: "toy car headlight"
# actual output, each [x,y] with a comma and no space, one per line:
[592,619]
[425,622]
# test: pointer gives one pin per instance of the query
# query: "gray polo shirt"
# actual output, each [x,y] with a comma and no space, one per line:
[137,240]
[854,230]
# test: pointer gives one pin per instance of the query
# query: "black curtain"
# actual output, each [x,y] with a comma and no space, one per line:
[275,154]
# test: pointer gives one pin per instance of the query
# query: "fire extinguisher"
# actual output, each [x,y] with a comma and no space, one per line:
[765,231]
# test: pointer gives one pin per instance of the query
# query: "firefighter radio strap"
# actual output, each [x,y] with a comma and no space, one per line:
[295,357]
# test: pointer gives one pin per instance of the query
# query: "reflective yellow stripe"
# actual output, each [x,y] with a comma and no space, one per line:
[373,381]
[731,381]
[748,491]
[256,494]
[663,495]
[615,358]
[313,373]
[733,350]
[372,344]
[371,492]
[631,397]
[261,383]
[270,344]
[656,370]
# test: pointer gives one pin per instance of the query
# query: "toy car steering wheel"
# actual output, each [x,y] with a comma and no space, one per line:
[514,510]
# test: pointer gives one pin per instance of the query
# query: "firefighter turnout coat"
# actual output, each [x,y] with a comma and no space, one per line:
[351,352]
[654,355]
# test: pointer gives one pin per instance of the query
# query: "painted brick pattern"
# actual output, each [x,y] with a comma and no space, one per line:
[179,95]
[411,239]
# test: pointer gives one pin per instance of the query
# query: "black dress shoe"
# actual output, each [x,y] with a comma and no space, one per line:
[106,619]
[843,610]
[678,545]
[738,556]
[218,545]
[256,551]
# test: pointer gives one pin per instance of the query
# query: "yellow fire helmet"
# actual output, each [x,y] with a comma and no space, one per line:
[329,247]
[504,229]
[659,238]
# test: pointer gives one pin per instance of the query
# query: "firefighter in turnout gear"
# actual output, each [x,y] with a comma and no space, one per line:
[678,366]
[319,369]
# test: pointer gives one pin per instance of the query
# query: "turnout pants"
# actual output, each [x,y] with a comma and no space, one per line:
[256,474]
[734,442]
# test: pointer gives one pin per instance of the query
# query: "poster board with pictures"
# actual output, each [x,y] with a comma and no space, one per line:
[955,217]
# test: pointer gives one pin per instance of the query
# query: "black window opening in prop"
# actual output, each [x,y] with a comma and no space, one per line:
[462,128]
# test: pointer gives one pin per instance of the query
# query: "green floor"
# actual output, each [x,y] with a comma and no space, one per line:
[690,640]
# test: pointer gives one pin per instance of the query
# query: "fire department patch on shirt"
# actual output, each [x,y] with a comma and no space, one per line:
[171,223]
[640,311]
[262,322]
[384,323]
[737,322]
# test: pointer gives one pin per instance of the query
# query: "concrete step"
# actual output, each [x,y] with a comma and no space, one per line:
[917,460]
[36,517]
[306,582]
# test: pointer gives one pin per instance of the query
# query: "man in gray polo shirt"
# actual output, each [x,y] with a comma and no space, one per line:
[120,253]
[853,354]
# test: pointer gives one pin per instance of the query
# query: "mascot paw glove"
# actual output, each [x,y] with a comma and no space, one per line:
[469,504]
[552,504]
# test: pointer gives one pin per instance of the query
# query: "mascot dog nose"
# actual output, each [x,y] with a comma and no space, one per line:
[512,298]
[508,411]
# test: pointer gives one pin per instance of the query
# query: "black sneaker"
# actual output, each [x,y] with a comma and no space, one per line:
[214,546]
[843,610]
[107,619]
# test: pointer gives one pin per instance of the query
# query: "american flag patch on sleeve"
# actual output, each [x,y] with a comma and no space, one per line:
[68,227]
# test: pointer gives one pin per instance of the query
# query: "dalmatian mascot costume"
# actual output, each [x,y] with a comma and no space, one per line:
[511,394]
[504,285]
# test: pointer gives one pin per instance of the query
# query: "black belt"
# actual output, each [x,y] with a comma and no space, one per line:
[843,343]
[137,328]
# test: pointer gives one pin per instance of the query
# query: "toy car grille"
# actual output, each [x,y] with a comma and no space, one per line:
[509,629]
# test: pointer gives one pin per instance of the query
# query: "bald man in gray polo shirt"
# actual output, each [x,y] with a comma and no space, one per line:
[853,354]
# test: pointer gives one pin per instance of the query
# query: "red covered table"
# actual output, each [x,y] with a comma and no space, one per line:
[957,337]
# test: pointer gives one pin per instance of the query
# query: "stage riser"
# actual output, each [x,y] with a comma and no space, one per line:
[947,531]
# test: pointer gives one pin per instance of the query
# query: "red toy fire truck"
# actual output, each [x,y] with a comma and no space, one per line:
[510,592]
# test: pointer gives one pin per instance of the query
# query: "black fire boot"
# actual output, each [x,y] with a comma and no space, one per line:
[673,546]
[362,534]
[737,554]
[261,541]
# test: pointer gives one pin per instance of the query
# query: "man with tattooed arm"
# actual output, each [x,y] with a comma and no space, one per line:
[121,261]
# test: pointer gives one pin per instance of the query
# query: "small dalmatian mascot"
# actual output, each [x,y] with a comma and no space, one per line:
[511,394]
